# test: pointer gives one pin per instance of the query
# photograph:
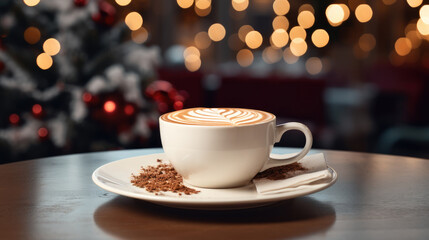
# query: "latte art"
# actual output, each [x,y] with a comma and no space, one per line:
[218,116]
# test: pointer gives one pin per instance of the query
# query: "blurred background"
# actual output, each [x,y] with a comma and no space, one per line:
[93,75]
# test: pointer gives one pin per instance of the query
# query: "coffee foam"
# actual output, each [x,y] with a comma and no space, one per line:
[218,116]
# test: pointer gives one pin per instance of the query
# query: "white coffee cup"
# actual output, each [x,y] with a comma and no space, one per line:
[218,155]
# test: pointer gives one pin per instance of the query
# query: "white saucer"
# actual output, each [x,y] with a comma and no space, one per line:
[115,177]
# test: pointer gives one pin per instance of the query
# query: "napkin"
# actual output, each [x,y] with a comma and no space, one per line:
[316,169]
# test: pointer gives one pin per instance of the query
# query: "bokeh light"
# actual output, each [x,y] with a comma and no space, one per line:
[279,38]
[32,35]
[306,7]
[297,32]
[335,13]
[202,40]
[389,2]
[367,42]
[123,2]
[244,57]
[422,27]
[363,13]
[140,35]
[216,32]
[298,47]
[320,38]
[280,22]
[31,3]
[424,13]
[288,57]
[185,3]
[346,11]
[14,118]
[134,20]
[192,62]
[203,4]
[37,109]
[44,61]
[202,12]
[313,65]
[240,5]
[51,46]
[253,39]
[403,46]
[42,132]
[109,106]
[243,31]
[414,3]
[281,7]
[415,38]
[271,55]
[191,51]
[306,19]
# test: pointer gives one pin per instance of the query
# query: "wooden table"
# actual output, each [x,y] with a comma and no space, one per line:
[375,197]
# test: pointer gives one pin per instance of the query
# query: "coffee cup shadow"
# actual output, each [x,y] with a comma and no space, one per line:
[129,218]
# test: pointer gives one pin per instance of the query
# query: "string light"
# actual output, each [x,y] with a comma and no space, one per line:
[314,65]
[346,11]
[335,14]
[281,7]
[424,13]
[253,39]
[422,27]
[109,106]
[320,38]
[297,32]
[134,20]
[51,46]
[298,47]
[367,42]
[244,57]
[279,38]
[240,5]
[192,62]
[306,19]
[363,13]
[203,4]
[32,35]
[216,32]
[44,61]
[191,51]
[403,46]
[202,40]
[414,3]
[185,3]
[123,2]
[280,22]
[140,35]
[31,3]
[288,57]
[243,31]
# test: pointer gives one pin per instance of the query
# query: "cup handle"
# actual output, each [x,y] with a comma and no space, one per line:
[288,158]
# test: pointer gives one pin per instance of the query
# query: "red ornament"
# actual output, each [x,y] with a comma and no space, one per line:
[80,3]
[37,110]
[43,132]
[87,97]
[129,109]
[109,106]
[14,119]
[106,14]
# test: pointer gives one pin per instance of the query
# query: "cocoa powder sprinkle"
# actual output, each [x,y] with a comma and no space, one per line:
[281,172]
[161,178]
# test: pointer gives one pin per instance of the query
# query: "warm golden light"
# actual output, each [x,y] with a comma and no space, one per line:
[134,20]
[422,27]
[335,13]
[31,3]
[281,7]
[280,22]
[414,3]
[243,31]
[253,39]
[44,61]
[306,7]
[306,19]
[346,11]
[216,32]
[288,57]
[185,3]
[389,2]
[367,42]
[140,35]
[313,65]
[192,62]
[109,106]
[244,57]
[403,46]
[279,38]
[297,32]
[298,47]
[240,5]
[191,51]
[203,4]
[123,2]
[51,46]
[415,38]
[271,55]
[424,13]
[320,38]
[32,35]
[203,12]
[363,13]
[202,40]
